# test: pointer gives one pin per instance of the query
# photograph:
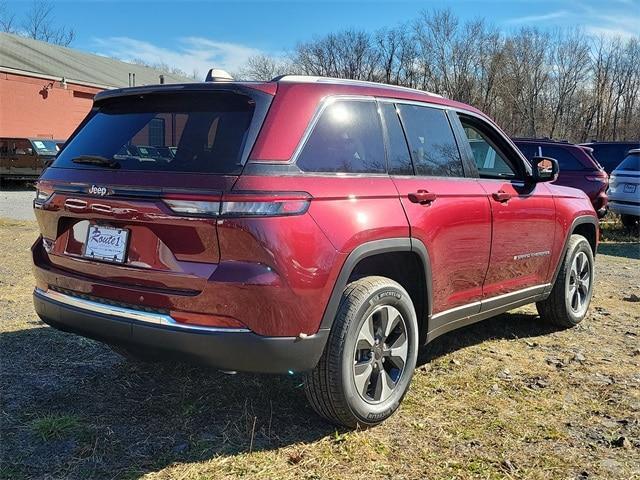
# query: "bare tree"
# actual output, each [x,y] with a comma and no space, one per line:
[7,19]
[264,67]
[39,24]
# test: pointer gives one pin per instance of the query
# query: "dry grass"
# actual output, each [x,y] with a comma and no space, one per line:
[507,398]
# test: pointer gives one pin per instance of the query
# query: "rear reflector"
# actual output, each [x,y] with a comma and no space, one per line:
[199,319]
[272,204]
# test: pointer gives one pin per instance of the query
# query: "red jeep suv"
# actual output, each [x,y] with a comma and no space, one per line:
[305,224]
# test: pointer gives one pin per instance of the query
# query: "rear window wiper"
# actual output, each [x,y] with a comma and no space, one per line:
[96,160]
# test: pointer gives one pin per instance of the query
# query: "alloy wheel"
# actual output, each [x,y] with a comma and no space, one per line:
[579,286]
[380,354]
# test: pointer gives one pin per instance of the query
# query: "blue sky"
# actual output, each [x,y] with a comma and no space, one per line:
[194,35]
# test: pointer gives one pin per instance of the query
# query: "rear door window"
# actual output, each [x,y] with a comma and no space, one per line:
[433,146]
[187,132]
[347,138]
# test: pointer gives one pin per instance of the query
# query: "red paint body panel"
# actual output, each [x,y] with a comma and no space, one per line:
[456,229]
[522,225]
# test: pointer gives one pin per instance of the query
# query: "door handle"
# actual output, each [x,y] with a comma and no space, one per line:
[501,196]
[423,197]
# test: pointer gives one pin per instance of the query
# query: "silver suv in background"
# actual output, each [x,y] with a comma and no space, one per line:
[624,189]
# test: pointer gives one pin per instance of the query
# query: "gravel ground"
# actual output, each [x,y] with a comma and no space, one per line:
[510,397]
[16,201]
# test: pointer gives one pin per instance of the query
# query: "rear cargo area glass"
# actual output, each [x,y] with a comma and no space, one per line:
[202,132]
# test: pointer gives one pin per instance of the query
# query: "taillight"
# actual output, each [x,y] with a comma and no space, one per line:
[264,205]
[44,190]
[273,204]
[594,178]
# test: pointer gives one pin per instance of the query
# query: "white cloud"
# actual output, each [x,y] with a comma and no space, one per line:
[617,25]
[538,18]
[619,19]
[191,54]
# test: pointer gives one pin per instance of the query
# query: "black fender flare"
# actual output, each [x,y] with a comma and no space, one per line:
[377,247]
[581,220]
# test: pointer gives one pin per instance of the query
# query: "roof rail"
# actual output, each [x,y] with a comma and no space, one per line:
[346,81]
[541,139]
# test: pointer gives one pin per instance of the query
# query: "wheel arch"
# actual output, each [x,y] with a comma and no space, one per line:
[585,225]
[364,260]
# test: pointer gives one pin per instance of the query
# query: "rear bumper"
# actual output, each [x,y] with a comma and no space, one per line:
[625,208]
[226,349]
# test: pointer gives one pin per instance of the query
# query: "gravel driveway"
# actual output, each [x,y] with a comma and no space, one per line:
[16,201]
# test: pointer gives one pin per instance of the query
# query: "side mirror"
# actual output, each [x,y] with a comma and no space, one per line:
[545,169]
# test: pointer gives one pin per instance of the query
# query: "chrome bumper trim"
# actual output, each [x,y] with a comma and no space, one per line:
[159,319]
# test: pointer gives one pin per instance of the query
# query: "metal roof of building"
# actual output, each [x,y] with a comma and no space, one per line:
[26,55]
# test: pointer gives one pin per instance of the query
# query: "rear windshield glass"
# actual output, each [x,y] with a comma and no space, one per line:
[632,162]
[185,132]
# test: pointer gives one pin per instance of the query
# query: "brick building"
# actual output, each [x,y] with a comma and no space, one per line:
[46,90]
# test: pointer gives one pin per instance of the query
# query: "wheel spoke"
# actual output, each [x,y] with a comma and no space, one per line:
[397,353]
[362,376]
[575,299]
[393,318]
[384,385]
[367,334]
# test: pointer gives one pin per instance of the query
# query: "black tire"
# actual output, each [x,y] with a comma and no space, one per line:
[562,307]
[629,221]
[137,355]
[331,386]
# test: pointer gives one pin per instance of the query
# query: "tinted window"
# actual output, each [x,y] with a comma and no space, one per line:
[347,138]
[433,147]
[632,162]
[490,162]
[566,160]
[206,130]
[398,158]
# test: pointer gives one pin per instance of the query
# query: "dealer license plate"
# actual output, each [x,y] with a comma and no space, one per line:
[106,243]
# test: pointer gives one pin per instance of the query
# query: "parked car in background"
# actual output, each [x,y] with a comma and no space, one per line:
[578,169]
[624,189]
[610,154]
[25,158]
[305,225]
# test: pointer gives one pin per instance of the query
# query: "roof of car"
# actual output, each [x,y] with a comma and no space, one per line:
[610,142]
[541,140]
[341,86]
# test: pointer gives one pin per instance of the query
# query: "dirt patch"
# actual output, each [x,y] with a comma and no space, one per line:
[507,398]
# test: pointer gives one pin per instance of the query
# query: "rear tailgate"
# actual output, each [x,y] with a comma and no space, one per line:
[142,177]
[165,250]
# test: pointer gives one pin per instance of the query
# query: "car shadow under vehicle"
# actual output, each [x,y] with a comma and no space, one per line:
[125,418]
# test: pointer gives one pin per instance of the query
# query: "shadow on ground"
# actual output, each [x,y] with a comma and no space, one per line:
[16,186]
[128,419]
[620,249]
